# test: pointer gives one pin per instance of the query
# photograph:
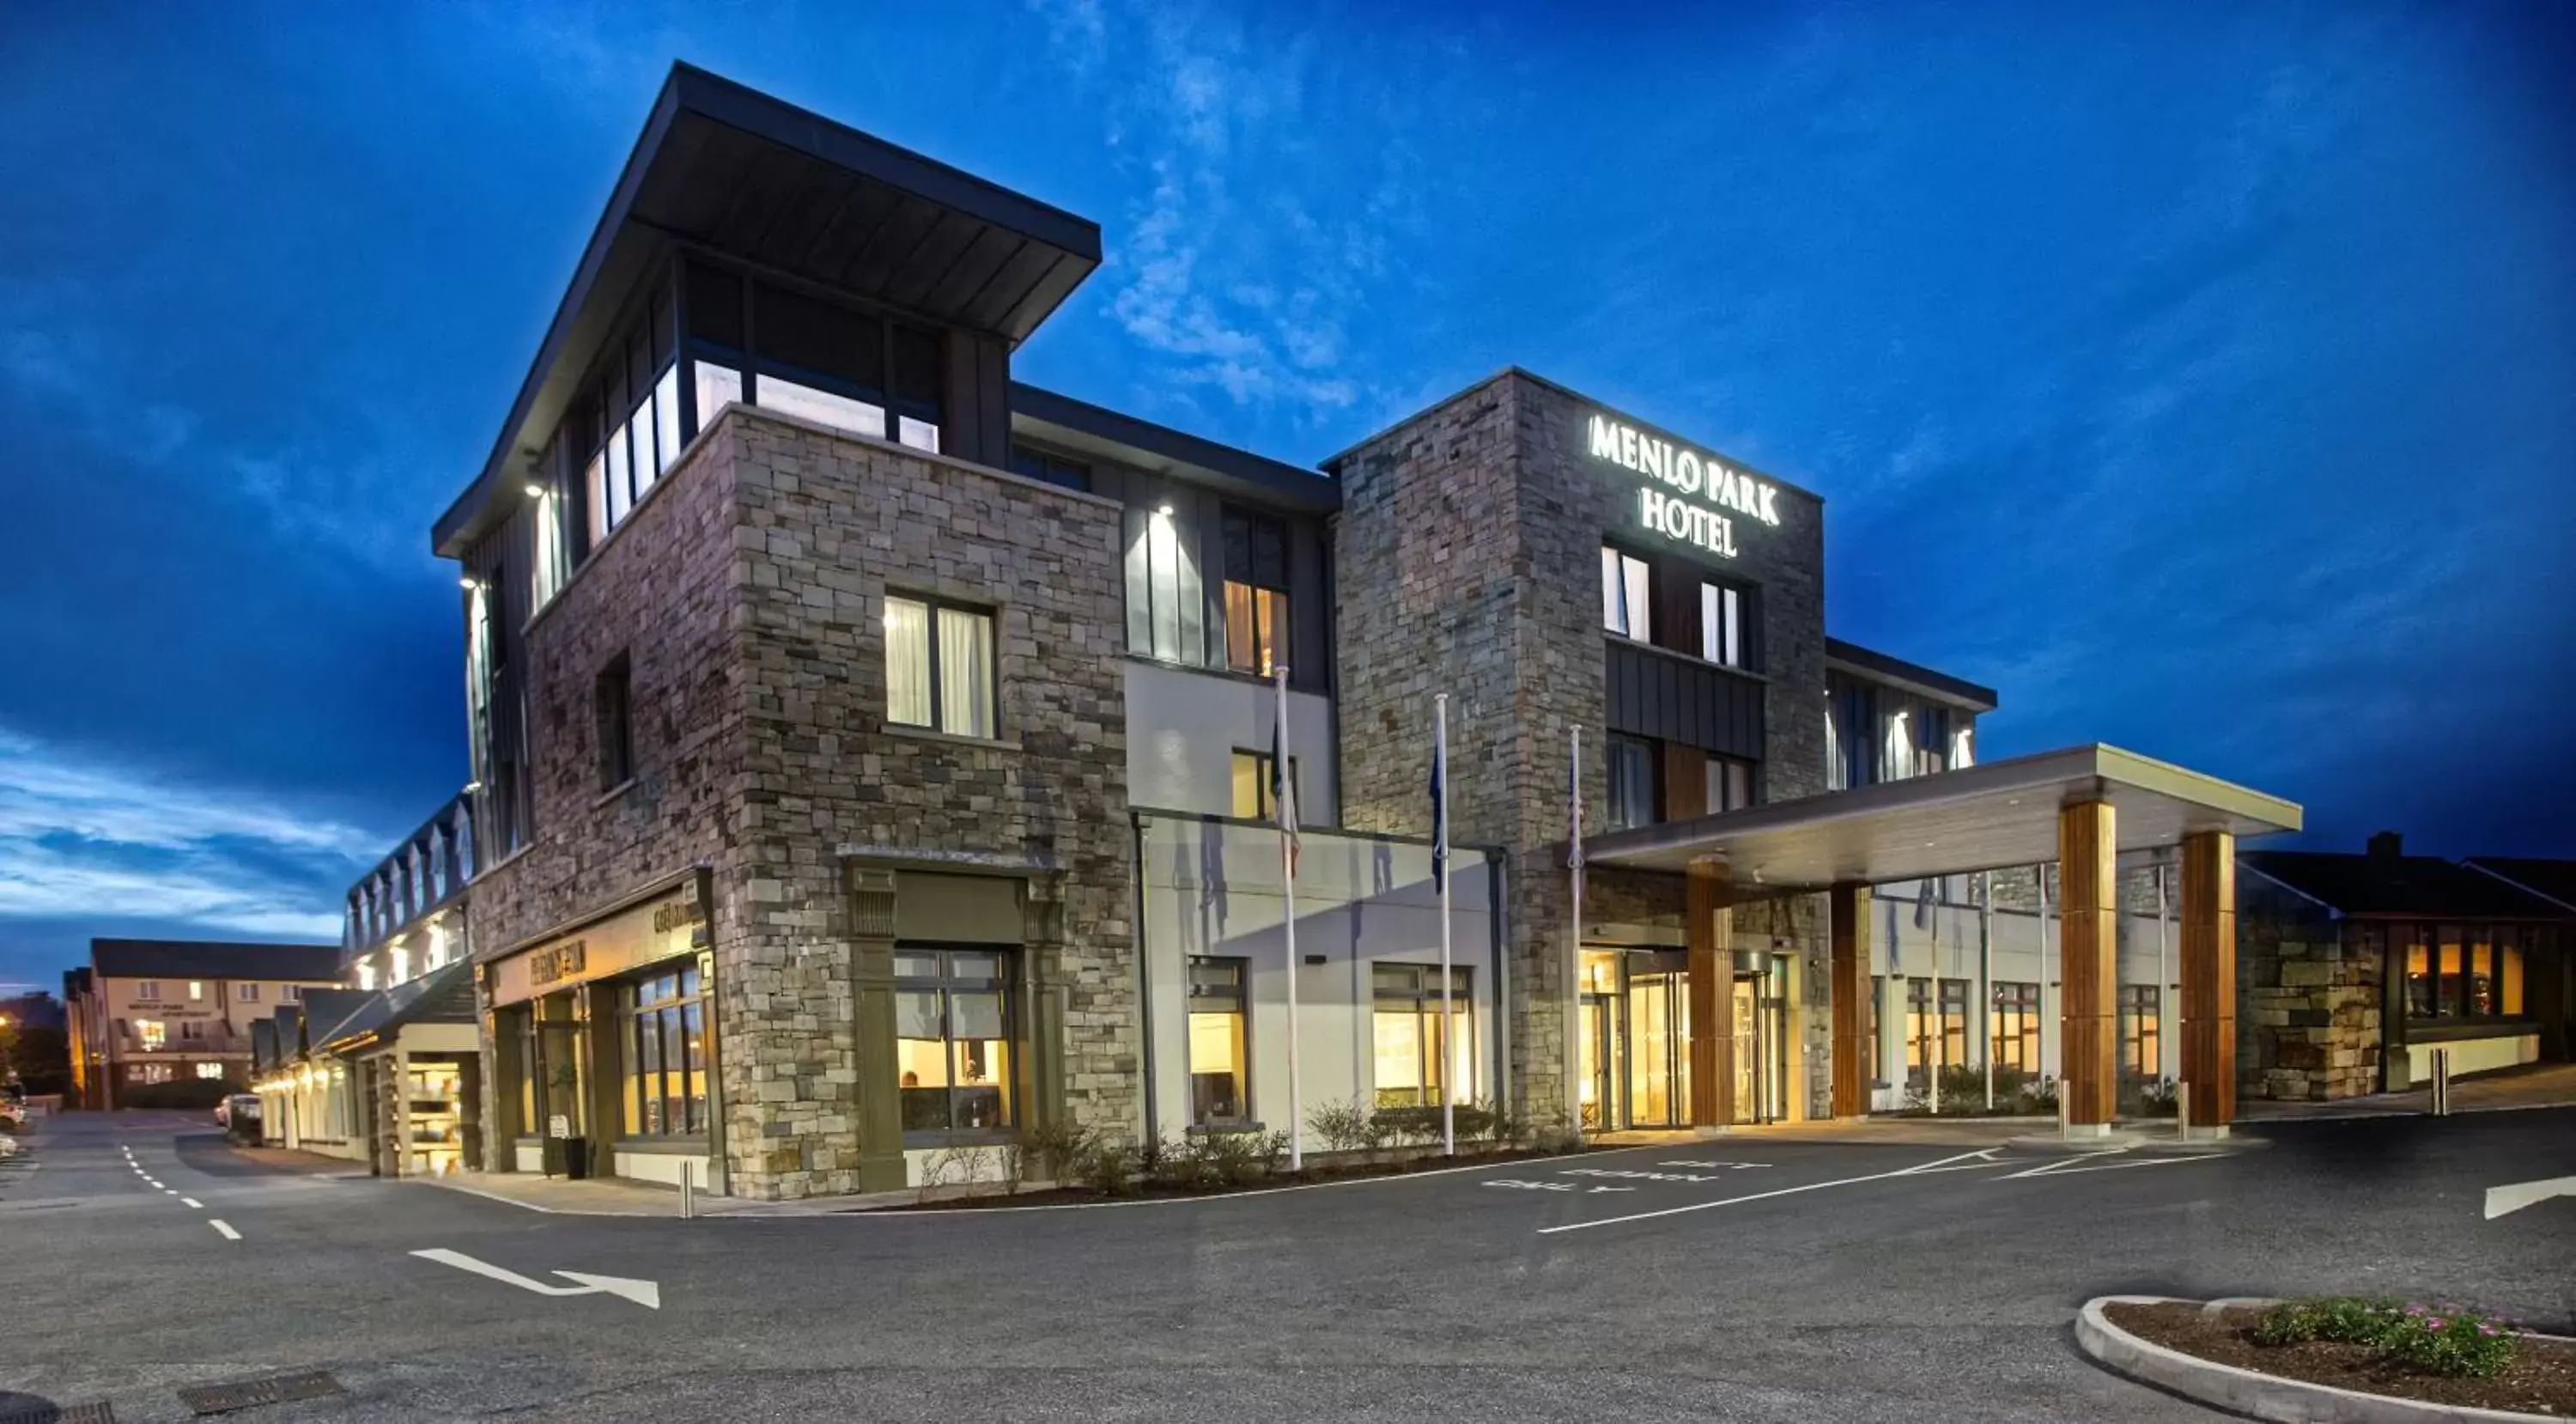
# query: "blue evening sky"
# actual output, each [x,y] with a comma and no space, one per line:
[2201,376]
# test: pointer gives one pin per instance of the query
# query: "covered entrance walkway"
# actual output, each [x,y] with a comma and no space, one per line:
[2083,808]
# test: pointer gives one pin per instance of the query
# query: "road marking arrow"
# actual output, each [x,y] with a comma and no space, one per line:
[2514,1196]
[643,1293]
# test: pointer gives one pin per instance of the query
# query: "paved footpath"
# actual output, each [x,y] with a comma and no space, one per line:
[1777,1279]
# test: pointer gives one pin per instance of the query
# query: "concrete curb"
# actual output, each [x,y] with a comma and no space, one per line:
[2257,1396]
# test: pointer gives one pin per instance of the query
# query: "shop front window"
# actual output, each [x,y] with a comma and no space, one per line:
[1409,1028]
[953,1039]
[666,1058]
[2141,1006]
[1219,1066]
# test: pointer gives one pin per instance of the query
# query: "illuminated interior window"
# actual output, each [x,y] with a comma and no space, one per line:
[1219,1066]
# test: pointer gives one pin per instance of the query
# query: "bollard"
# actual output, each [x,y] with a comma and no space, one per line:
[2441,1082]
[688,1189]
[2182,1111]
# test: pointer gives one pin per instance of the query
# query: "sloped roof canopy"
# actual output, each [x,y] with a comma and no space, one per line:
[786,190]
[443,995]
[2406,886]
[1987,817]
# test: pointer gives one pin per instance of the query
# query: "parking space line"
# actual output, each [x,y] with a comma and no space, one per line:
[1761,1196]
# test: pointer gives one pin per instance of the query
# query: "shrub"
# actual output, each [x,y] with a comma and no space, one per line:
[2457,1343]
[1106,1166]
[1055,1148]
[1344,1127]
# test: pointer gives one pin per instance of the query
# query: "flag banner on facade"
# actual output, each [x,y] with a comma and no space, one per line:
[1439,820]
[1923,903]
[1283,787]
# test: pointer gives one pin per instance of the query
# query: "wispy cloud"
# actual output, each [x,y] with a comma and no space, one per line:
[85,838]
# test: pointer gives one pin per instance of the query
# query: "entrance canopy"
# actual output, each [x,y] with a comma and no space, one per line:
[1977,818]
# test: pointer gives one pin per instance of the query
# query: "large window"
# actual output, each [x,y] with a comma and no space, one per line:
[1851,730]
[844,368]
[613,705]
[1407,1026]
[1256,592]
[628,438]
[1626,608]
[2141,1047]
[1724,636]
[939,667]
[147,991]
[953,1033]
[2466,971]
[210,1070]
[1220,1067]
[1632,782]
[1954,1021]
[1164,616]
[2015,1027]
[666,1056]
[152,1033]
[1730,784]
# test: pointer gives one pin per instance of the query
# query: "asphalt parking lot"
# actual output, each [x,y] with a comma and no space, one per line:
[1739,1278]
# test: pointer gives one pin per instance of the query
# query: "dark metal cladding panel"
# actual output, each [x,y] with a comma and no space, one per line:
[991,248]
[1061,278]
[891,245]
[701,189]
[928,263]
[1678,700]
[761,191]
[1007,284]
[801,223]
[864,210]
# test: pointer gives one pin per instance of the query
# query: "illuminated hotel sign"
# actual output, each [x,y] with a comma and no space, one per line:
[1704,493]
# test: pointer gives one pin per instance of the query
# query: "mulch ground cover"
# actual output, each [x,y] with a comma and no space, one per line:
[2541,1379]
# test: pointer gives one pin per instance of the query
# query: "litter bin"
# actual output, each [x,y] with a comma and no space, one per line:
[576,1157]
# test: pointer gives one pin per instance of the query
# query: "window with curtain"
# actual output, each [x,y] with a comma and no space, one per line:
[1408,1031]
[1626,607]
[665,1055]
[953,1039]
[1631,767]
[1256,591]
[939,667]
[1724,636]
[1220,1066]
[1730,783]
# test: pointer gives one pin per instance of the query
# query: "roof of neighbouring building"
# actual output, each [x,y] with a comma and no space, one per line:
[2423,885]
[2552,879]
[213,959]
[1080,427]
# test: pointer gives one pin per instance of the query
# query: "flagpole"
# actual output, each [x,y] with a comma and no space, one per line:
[1285,809]
[1448,985]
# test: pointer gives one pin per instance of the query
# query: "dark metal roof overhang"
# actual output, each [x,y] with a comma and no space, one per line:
[1082,428]
[786,190]
[443,995]
[1988,817]
[1913,677]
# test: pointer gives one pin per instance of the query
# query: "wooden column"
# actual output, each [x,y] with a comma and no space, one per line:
[2088,955]
[1851,1007]
[2209,976]
[1707,924]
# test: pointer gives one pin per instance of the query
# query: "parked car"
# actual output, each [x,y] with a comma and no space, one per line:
[238,1108]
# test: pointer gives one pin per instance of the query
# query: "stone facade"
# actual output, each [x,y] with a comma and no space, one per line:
[1468,561]
[748,596]
[2308,1003]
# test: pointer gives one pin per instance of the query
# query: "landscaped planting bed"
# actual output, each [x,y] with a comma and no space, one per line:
[2424,1352]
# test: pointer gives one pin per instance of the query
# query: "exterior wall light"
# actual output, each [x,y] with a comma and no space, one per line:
[1164,510]
[467,583]
[536,491]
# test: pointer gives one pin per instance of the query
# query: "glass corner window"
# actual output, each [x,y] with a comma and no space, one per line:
[1626,608]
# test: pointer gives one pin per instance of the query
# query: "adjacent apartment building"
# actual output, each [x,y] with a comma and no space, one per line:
[146,1013]
[876,755]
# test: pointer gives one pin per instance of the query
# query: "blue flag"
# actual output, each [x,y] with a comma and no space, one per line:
[1439,829]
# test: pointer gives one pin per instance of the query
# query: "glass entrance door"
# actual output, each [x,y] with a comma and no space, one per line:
[1658,1050]
[1598,1094]
[1748,1052]
[1761,1049]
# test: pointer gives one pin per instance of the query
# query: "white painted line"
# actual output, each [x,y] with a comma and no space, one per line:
[225,1230]
[2514,1196]
[2061,1167]
[1756,1196]
[643,1293]
[169,1191]
[193,1203]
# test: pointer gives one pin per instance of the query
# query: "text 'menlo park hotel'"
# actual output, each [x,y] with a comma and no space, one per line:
[872,753]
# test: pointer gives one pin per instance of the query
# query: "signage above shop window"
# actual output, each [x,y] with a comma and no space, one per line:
[1703,495]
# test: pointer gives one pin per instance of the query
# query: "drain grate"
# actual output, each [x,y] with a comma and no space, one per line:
[13,1410]
[250,1393]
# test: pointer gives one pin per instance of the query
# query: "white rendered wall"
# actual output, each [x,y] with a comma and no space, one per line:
[1184,727]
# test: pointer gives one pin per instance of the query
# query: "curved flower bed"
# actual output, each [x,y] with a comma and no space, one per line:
[2438,1355]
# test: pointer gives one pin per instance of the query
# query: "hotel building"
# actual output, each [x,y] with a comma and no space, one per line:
[167,1023]
[874,754]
